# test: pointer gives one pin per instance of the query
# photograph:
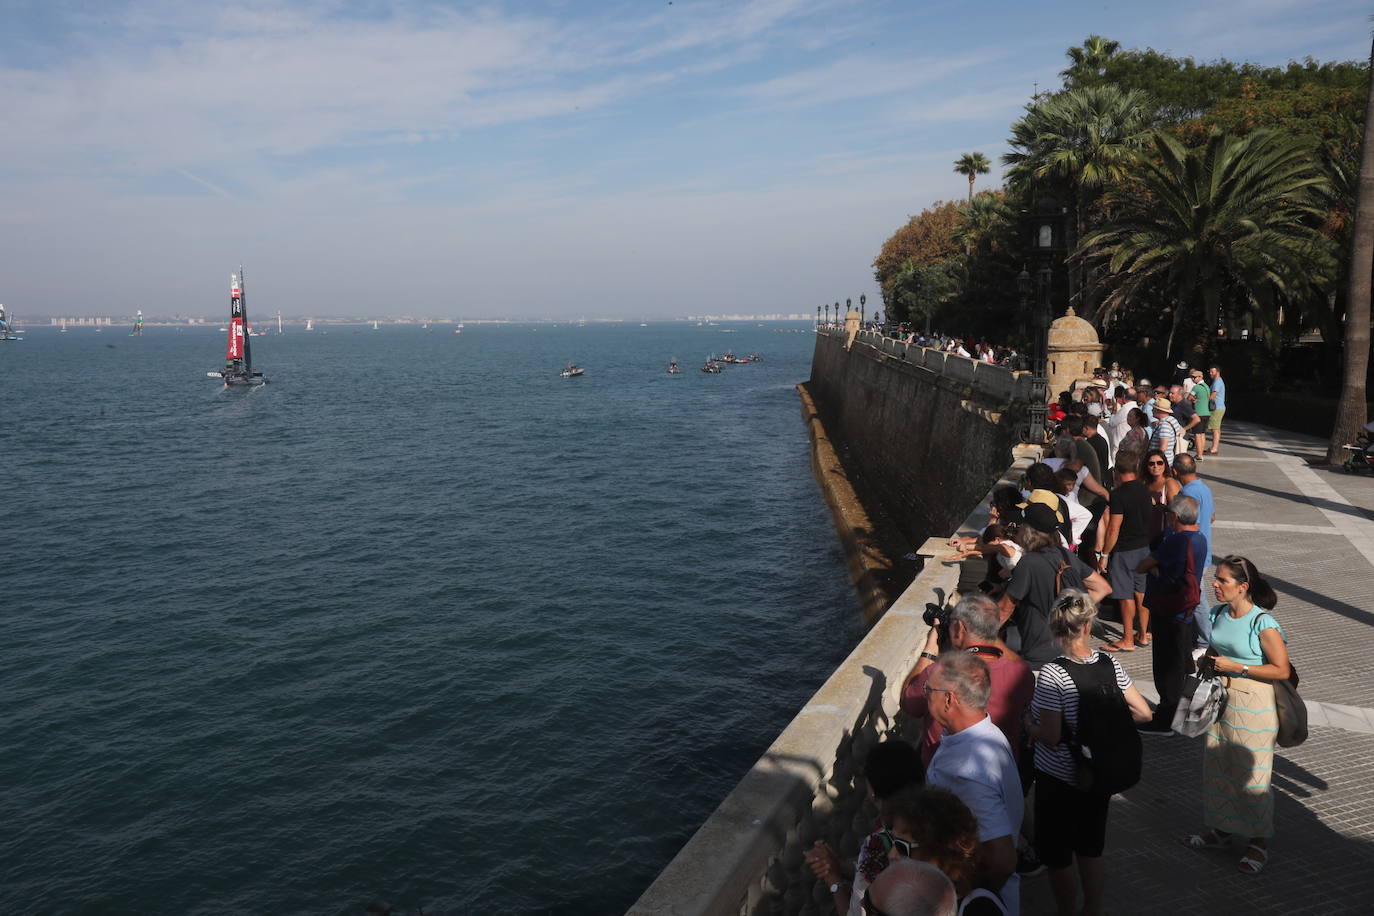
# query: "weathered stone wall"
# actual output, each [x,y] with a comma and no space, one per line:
[747,858]
[921,433]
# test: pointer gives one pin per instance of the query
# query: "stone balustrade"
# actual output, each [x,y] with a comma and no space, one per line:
[997,382]
[747,858]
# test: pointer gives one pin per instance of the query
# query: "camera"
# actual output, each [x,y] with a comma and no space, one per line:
[934,615]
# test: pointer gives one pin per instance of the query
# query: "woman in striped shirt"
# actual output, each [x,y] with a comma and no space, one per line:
[1070,822]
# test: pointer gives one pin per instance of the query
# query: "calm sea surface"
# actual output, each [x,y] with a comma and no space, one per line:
[418,621]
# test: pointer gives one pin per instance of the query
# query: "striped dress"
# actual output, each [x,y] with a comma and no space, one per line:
[1239,760]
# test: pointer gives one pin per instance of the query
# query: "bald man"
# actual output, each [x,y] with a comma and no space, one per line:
[908,887]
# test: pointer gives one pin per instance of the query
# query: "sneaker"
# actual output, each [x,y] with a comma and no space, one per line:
[1154,728]
[1028,864]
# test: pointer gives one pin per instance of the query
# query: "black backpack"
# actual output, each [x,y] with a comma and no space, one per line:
[1105,745]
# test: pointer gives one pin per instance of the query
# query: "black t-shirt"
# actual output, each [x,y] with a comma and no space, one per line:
[1032,588]
[1099,445]
[1131,501]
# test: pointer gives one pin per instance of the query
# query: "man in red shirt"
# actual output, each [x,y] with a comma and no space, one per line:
[973,625]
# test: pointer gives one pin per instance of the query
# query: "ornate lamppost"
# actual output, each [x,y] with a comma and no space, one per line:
[1046,230]
[818,316]
[837,312]
[827,314]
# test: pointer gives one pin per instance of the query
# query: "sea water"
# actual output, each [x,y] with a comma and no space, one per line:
[417,621]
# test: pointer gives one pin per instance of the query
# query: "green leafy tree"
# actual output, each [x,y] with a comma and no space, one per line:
[927,238]
[1183,89]
[972,165]
[1235,221]
[1352,411]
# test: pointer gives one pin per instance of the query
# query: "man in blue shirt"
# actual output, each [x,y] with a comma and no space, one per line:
[1217,400]
[1185,469]
[1173,592]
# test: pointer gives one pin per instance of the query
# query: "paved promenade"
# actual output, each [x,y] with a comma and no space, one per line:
[1311,533]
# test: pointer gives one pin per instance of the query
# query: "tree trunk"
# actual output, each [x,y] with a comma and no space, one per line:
[970,188]
[1352,411]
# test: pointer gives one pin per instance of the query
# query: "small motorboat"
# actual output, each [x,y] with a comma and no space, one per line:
[674,368]
[711,367]
[571,371]
[756,357]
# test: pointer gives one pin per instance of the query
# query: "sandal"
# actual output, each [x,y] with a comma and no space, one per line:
[1117,647]
[1143,642]
[1208,839]
[1250,865]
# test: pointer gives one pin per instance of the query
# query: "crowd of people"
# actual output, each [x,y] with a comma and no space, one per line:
[969,347]
[1029,722]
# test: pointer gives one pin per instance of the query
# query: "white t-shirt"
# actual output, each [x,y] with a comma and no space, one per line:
[976,764]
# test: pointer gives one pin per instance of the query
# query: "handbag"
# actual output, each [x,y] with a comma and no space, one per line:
[1292,710]
[1202,703]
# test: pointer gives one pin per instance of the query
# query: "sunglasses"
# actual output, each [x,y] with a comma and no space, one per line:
[1154,464]
[905,847]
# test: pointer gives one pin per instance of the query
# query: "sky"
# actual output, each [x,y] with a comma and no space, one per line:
[525,160]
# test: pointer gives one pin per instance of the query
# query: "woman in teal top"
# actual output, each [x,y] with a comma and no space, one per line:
[1249,651]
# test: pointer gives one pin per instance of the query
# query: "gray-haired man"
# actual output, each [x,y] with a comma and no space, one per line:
[975,763]
[1172,592]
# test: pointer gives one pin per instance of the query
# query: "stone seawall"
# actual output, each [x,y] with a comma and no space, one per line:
[747,857]
[920,434]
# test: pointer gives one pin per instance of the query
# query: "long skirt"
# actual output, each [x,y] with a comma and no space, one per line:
[1239,761]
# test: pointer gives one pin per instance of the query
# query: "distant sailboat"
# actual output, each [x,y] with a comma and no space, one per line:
[238,362]
[6,330]
[278,322]
[310,324]
[138,325]
[64,326]
[374,326]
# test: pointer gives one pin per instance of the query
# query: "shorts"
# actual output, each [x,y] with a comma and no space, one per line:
[1214,422]
[1126,582]
[1068,822]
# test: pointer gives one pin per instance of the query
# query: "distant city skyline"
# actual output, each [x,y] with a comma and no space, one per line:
[528,159]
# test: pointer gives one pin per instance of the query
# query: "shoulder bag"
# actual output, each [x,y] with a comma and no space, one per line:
[1291,709]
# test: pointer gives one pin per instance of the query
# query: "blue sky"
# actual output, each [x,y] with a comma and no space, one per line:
[526,160]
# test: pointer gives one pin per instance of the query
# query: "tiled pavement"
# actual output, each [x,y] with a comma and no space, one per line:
[1322,856]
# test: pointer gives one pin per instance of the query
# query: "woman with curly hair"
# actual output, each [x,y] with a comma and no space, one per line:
[931,824]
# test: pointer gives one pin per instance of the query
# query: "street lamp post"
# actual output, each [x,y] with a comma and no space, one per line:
[1023,289]
[1046,225]
[818,316]
[827,314]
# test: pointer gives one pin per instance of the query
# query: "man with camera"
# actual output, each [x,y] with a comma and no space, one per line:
[972,625]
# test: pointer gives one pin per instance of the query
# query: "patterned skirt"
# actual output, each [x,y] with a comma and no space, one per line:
[1239,761]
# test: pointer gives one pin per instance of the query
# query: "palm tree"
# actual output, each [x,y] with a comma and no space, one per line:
[1079,141]
[972,164]
[1352,411]
[1236,219]
[1088,60]
[986,223]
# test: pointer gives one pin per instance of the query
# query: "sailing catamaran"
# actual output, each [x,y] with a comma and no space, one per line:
[238,361]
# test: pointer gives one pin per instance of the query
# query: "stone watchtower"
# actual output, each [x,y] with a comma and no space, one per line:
[852,320]
[1074,351]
